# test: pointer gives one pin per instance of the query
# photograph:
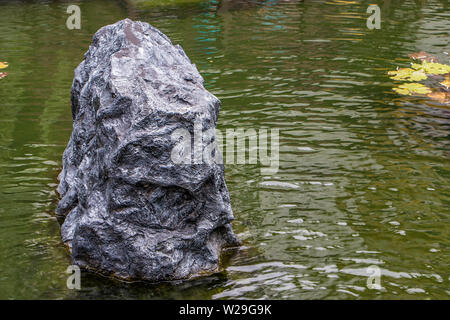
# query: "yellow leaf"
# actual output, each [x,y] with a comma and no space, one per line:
[417,76]
[435,68]
[401,91]
[431,67]
[407,74]
[3,65]
[412,88]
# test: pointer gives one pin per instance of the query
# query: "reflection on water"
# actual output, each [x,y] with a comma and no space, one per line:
[363,176]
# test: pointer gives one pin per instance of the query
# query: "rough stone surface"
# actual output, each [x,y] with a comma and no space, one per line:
[127,210]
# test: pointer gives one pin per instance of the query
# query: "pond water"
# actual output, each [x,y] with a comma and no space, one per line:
[363,175]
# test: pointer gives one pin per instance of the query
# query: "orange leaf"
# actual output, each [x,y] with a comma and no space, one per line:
[442,97]
[423,56]
[446,82]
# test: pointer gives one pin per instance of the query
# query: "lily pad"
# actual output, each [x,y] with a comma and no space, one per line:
[412,88]
[431,67]
[408,74]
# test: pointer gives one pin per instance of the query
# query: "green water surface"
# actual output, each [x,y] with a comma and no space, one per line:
[364,173]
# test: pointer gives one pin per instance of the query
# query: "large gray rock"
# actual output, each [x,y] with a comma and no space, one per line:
[127,209]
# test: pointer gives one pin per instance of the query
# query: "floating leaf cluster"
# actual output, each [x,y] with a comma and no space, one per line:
[429,70]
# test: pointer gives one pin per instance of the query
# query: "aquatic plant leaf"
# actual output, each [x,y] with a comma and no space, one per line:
[412,88]
[3,74]
[435,68]
[407,74]
[417,76]
[423,56]
[400,73]
[431,67]
[3,65]
[402,91]
[427,68]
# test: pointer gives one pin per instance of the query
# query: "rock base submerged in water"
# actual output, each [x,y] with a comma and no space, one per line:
[127,209]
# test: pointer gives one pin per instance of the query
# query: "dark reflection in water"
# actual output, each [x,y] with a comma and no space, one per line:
[364,173]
